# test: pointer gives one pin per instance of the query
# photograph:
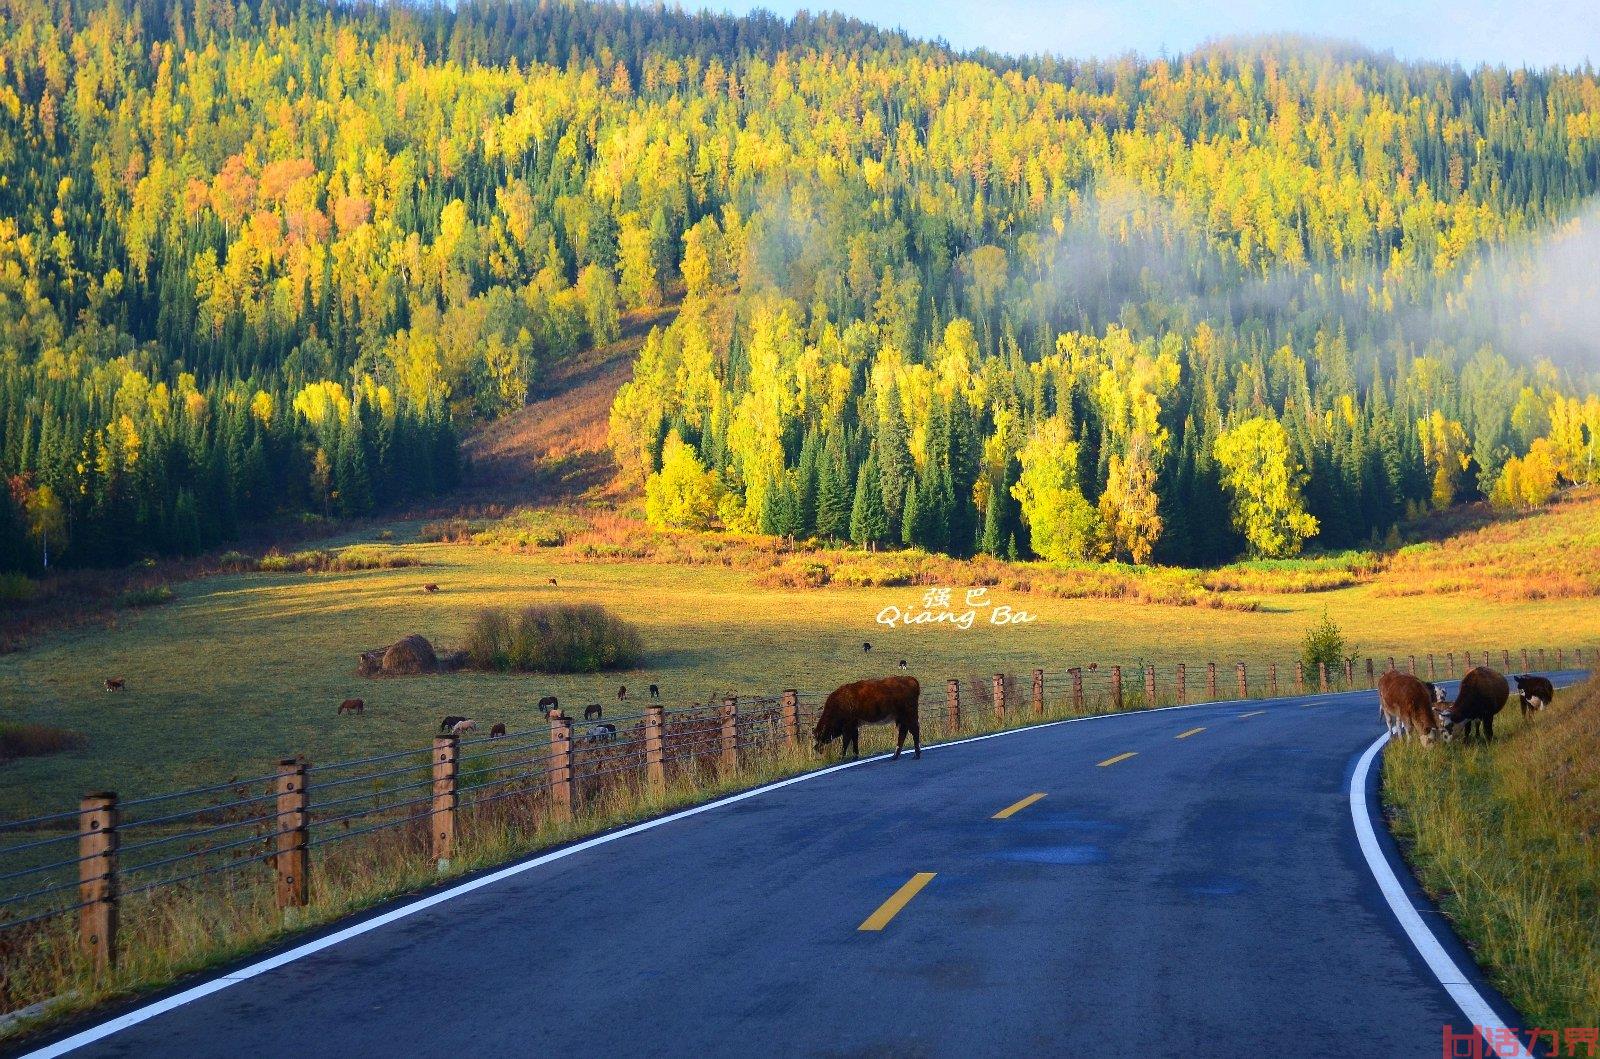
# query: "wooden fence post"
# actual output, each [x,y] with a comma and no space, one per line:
[1524,659]
[952,706]
[1505,660]
[446,767]
[1299,678]
[1541,659]
[97,879]
[1452,670]
[655,761]
[1077,688]
[998,688]
[1372,681]
[1149,685]
[1411,664]
[1349,674]
[1038,692]
[730,734]
[1469,659]
[1244,685]
[1322,677]
[1561,658]
[293,850]
[1272,678]
[1183,683]
[1211,682]
[1432,675]
[561,761]
[1391,663]
[791,717]
[1116,687]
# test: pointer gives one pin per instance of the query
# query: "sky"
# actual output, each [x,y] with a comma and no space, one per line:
[1534,33]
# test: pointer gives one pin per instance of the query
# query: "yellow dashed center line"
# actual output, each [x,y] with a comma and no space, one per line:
[1119,757]
[1185,735]
[902,897]
[1017,807]
[1253,713]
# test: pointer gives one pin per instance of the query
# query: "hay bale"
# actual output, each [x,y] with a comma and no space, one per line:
[409,655]
[371,663]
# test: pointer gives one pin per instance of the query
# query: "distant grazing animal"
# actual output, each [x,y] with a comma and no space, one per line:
[549,703]
[902,664]
[870,702]
[552,580]
[655,692]
[622,692]
[1093,666]
[1534,692]
[1483,693]
[353,706]
[865,647]
[593,712]
[450,722]
[463,725]
[116,684]
[602,733]
[1406,706]
[498,731]
[430,587]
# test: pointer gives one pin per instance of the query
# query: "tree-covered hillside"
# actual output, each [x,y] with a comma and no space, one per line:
[261,258]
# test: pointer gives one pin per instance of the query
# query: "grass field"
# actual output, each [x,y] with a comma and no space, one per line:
[241,669]
[1503,837]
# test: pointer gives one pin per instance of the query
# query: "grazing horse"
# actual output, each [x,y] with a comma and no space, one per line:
[655,692]
[353,706]
[448,725]
[593,712]
[498,731]
[870,702]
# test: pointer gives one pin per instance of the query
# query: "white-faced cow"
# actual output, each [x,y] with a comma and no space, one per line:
[1406,706]
[1535,693]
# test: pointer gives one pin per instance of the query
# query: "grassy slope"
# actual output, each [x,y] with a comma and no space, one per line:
[242,669]
[1504,838]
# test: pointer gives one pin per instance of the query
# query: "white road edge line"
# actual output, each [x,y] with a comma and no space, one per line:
[243,974]
[1471,1002]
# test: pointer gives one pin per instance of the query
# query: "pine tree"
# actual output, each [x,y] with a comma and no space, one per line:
[869,523]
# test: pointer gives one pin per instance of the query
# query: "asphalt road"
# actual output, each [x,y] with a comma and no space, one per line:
[1204,896]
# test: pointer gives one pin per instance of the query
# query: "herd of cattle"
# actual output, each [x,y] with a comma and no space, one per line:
[1410,706]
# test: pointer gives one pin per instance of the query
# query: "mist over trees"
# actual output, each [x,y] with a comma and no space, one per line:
[259,259]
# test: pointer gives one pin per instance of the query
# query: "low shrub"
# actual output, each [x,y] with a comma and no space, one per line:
[359,557]
[553,638]
[145,596]
[17,588]
[36,740]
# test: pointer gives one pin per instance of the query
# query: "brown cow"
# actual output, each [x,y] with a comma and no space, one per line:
[1406,705]
[353,706]
[116,684]
[1483,693]
[498,731]
[871,702]
[1535,693]
[430,587]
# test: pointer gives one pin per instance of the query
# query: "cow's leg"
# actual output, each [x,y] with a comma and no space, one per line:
[899,740]
[916,738]
[1488,729]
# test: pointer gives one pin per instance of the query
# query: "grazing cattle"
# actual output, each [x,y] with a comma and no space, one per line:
[353,706]
[552,581]
[622,692]
[463,725]
[865,646]
[430,587]
[1093,666]
[498,731]
[1534,692]
[549,703]
[1483,693]
[1435,693]
[450,722]
[116,684]
[655,692]
[871,702]
[902,665]
[1406,706]
[593,712]
[601,733]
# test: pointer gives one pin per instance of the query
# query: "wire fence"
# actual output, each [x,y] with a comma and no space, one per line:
[279,829]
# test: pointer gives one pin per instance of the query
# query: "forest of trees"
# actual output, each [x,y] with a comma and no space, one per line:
[259,259]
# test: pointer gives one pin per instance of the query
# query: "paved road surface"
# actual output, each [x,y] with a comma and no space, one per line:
[1204,896]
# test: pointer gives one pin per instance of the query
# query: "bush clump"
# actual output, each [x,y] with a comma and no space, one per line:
[145,596]
[17,588]
[1324,643]
[553,638]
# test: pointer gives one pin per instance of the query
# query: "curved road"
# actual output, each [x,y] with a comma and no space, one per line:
[1204,896]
